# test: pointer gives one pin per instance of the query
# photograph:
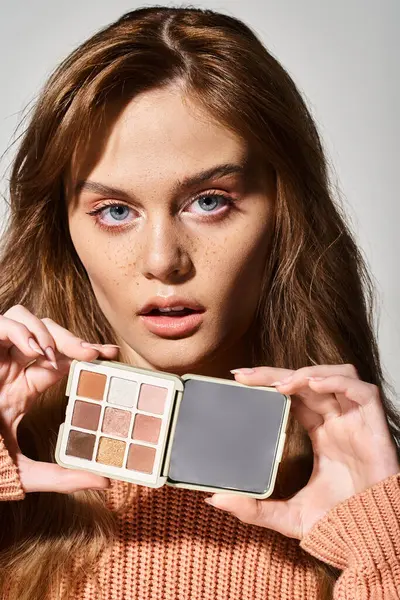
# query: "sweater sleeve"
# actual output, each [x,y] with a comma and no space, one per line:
[10,483]
[361,536]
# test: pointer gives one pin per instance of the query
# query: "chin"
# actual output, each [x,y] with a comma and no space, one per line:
[175,363]
[177,356]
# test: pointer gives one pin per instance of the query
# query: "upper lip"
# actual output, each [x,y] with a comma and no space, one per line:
[169,302]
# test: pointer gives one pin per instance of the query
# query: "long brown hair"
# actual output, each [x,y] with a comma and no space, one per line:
[317,304]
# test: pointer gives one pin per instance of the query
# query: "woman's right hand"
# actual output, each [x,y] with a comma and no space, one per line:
[34,355]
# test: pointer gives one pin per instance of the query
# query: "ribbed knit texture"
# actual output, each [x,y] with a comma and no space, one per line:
[10,484]
[362,537]
[171,545]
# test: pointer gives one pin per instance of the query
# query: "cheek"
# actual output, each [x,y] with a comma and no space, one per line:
[235,267]
[107,264]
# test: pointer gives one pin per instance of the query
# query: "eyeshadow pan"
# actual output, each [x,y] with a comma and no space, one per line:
[111,452]
[91,385]
[86,415]
[116,422]
[80,444]
[152,398]
[122,392]
[146,429]
[141,458]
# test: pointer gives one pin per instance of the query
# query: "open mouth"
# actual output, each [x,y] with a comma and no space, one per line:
[180,311]
[172,322]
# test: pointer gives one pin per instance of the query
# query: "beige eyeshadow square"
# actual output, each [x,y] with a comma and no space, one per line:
[111,452]
[86,415]
[152,398]
[91,385]
[141,458]
[146,429]
[116,422]
[122,392]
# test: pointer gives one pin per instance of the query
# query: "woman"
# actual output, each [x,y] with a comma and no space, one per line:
[170,159]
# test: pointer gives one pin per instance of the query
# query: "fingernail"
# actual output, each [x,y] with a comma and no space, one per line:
[51,357]
[111,345]
[35,346]
[209,501]
[315,378]
[243,371]
[92,346]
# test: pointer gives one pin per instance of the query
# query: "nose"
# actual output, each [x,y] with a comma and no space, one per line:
[165,255]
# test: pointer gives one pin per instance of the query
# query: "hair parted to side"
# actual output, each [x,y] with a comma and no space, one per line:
[317,303]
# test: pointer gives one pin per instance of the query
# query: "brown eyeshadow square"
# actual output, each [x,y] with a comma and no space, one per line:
[80,444]
[116,422]
[152,398]
[146,429]
[91,385]
[141,458]
[86,415]
[111,452]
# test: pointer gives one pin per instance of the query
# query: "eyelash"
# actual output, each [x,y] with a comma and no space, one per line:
[115,228]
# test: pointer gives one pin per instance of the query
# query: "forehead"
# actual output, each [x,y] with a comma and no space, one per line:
[158,134]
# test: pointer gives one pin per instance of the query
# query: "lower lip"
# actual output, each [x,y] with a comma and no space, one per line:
[173,327]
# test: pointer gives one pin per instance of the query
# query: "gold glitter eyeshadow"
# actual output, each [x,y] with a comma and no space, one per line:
[111,452]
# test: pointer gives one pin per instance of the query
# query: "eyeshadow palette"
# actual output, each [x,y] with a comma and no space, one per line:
[154,428]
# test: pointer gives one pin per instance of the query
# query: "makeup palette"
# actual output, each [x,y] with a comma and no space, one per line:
[154,428]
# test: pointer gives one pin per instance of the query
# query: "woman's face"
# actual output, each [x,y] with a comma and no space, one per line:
[173,212]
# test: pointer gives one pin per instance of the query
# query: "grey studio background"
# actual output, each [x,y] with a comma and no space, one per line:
[344,56]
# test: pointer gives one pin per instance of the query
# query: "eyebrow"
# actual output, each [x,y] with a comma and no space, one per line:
[192,180]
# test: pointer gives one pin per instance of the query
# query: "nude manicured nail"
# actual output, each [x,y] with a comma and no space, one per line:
[92,346]
[35,346]
[51,357]
[243,371]
[98,346]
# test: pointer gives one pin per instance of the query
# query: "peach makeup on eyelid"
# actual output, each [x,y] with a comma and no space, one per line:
[153,428]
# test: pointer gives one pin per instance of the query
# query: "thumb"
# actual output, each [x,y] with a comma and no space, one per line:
[48,477]
[277,515]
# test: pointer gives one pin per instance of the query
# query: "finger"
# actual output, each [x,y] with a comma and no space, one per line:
[16,335]
[72,346]
[360,394]
[42,341]
[273,376]
[328,390]
[298,382]
[308,418]
[41,375]
[273,514]
[48,477]
[355,390]
[261,375]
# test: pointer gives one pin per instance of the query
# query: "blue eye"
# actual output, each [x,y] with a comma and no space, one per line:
[208,203]
[111,214]
[118,212]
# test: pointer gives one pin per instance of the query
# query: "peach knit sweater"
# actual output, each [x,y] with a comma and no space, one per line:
[172,545]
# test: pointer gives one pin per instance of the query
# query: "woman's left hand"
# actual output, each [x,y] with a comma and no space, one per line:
[351,441]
